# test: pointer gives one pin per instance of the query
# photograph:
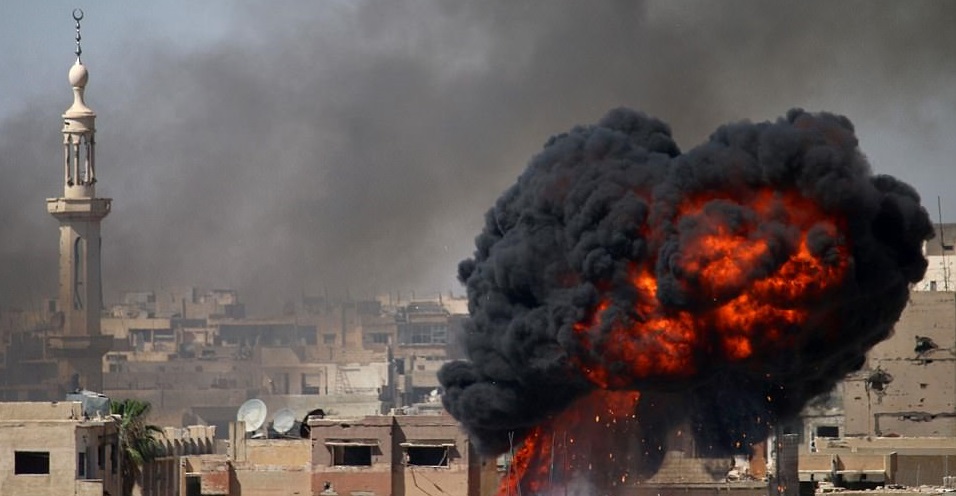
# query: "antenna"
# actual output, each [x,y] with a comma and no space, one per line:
[253,413]
[943,245]
[283,421]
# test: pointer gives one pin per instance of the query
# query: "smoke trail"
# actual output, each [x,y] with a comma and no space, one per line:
[732,282]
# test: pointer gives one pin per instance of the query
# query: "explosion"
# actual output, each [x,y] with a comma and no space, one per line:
[621,289]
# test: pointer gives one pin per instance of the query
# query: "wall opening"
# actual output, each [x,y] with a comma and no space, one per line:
[353,453]
[193,485]
[81,463]
[828,431]
[31,462]
[427,456]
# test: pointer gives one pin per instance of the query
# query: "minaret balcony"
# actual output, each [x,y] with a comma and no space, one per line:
[79,208]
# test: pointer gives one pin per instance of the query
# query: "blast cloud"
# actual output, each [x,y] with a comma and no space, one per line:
[553,276]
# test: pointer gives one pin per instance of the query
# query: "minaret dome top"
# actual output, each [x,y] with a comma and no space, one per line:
[79,75]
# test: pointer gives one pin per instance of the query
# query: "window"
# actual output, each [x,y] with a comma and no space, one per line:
[428,457]
[423,333]
[378,338]
[81,465]
[31,462]
[353,453]
[311,383]
[78,273]
[328,339]
[430,453]
[193,485]
[828,431]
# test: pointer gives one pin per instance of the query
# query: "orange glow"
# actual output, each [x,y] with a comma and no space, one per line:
[749,283]
[550,454]
[747,298]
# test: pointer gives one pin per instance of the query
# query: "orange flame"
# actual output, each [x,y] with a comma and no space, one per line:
[749,301]
[746,308]
[574,442]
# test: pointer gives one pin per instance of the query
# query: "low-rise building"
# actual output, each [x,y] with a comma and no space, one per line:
[55,448]
[375,455]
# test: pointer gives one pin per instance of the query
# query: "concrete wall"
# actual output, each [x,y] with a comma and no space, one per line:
[56,429]
[376,478]
[426,481]
[916,395]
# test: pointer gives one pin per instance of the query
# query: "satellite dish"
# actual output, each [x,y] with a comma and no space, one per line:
[253,413]
[283,421]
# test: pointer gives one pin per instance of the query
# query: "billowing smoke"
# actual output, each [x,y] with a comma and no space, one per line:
[346,144]
[621,287]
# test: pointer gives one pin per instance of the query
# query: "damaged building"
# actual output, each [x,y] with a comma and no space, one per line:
[894,421]
[372,455]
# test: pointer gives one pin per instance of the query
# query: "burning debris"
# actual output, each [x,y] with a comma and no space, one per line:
[621,289]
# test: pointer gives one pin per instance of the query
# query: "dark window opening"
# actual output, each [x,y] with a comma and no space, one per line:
[328,339]
[193,485]
[352,456]
[828,431]
[31,462]
[430,456]
[81,465]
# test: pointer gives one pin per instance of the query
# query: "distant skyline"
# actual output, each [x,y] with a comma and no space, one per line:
[294,147]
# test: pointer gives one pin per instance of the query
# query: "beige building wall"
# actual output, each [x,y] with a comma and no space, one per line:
[68,454]
[430,433]
[908,386]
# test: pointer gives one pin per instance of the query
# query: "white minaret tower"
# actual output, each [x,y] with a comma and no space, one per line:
[79,212]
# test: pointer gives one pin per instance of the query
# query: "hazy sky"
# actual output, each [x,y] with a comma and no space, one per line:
[282,147]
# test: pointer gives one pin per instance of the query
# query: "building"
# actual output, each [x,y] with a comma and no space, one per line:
[894,421]
[908,386]
[376,455]
[941,256]
[345,357]
[56,448]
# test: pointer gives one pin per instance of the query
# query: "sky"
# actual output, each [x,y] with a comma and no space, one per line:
[353,146]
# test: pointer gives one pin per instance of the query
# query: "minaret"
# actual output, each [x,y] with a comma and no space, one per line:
[79,346]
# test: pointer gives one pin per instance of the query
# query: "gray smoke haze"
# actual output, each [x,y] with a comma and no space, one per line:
[356,145]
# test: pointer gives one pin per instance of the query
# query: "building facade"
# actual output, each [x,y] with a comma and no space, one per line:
[380,455]
[55,449]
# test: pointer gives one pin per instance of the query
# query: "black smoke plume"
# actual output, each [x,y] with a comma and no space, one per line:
[600,199]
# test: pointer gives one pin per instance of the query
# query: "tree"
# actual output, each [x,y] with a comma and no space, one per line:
[138,443]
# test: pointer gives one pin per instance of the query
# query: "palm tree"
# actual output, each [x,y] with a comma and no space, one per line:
[138,444]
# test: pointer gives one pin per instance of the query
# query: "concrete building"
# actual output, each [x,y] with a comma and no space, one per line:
[369,456]
[894,421]
[57,448]
[908,386]
[940,253]
[162,476]
[342,356]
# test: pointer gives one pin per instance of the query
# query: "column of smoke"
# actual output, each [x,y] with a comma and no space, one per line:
[622,288]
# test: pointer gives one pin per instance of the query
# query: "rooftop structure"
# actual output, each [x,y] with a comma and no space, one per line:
[53,448]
